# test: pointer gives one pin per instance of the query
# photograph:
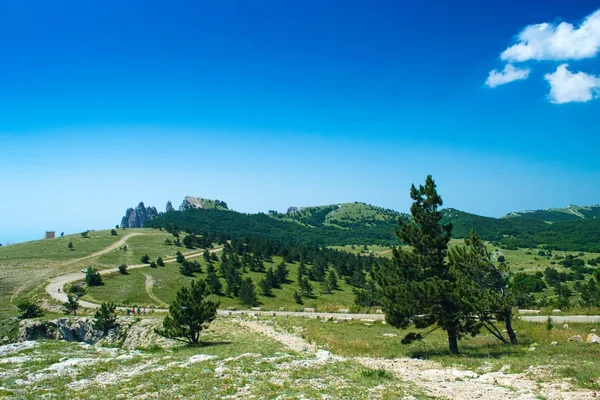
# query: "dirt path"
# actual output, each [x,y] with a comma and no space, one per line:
[441,382]
[105,250]
[55,288]
[149,284]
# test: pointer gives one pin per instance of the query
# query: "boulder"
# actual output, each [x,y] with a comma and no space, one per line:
[310,309]
[528,311]
[556,311]
[576,338]
[554,344]
[255,308]
[593,338]
[566,326]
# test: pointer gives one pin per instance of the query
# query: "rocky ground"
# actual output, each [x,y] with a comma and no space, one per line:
[241,358]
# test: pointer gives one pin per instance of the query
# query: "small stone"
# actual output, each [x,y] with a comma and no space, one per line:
[576,338]
[593,338]
[343,310]
[593,330]
[556,311]
[532,349]
[554,344]
[566,326]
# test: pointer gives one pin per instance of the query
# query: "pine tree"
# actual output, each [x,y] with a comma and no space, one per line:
[247,293]
[282,273]
[305,287]
[298,298]
[488,285]
[190,313]
[265,287]
[332,280]
[206,255]
[179,257]
[71,306]
[301,271]
[271,278]
[106,318]
[213,281]
[418,286]
[160,262]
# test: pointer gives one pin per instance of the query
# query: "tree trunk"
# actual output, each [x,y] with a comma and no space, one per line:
[452,341]
[508,322]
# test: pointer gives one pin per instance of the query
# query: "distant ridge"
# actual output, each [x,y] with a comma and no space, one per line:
[571,212]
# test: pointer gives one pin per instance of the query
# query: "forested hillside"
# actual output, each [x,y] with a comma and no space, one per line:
[358,223]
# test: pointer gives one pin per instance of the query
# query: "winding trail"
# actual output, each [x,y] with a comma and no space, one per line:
[436,380]
[149,284]
[55,287]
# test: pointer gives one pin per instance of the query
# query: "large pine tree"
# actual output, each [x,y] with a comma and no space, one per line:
[417,285]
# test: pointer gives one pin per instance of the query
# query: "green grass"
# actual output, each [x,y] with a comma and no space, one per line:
[244,364]
[482,352]
[56,249]
[168,280]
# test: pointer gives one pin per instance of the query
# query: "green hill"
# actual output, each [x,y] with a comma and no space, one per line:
[569,213]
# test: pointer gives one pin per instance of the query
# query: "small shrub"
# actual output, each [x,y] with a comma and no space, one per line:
[145,259]
[29,310]
[123,269]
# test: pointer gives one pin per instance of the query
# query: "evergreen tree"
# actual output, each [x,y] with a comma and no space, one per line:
[145,259]
[105,317]
[265,287]
[123,269]
[247,293]
[190,313]
[70,246]
[92,277]
[282,273]
[206,255]
[271,278]
[488,286]
[71,306]
[367,297]
[160,262]
[301,271]
[298,298]
[418,286]
[179,257]
[213,281]
[29,310]
[305,287]
[332,281]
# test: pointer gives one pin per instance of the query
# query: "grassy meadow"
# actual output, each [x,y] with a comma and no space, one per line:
[131,289]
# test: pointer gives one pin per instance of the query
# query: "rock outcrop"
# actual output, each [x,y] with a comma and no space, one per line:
[169,207]
[129,333]
[71,330]
[292,210]
[192,203]
[137,217]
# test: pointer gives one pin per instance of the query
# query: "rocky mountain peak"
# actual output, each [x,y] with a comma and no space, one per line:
[137,217]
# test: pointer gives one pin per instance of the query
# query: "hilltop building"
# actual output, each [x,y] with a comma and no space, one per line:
[49,235]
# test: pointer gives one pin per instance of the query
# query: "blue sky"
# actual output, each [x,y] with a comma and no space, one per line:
[269,104]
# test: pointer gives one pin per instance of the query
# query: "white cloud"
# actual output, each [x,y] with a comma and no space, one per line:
[557,42]
[508,74]
[567,87]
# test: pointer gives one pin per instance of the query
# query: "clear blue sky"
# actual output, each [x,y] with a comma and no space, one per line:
[268,104]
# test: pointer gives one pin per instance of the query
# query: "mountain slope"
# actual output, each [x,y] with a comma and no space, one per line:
[569,213]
